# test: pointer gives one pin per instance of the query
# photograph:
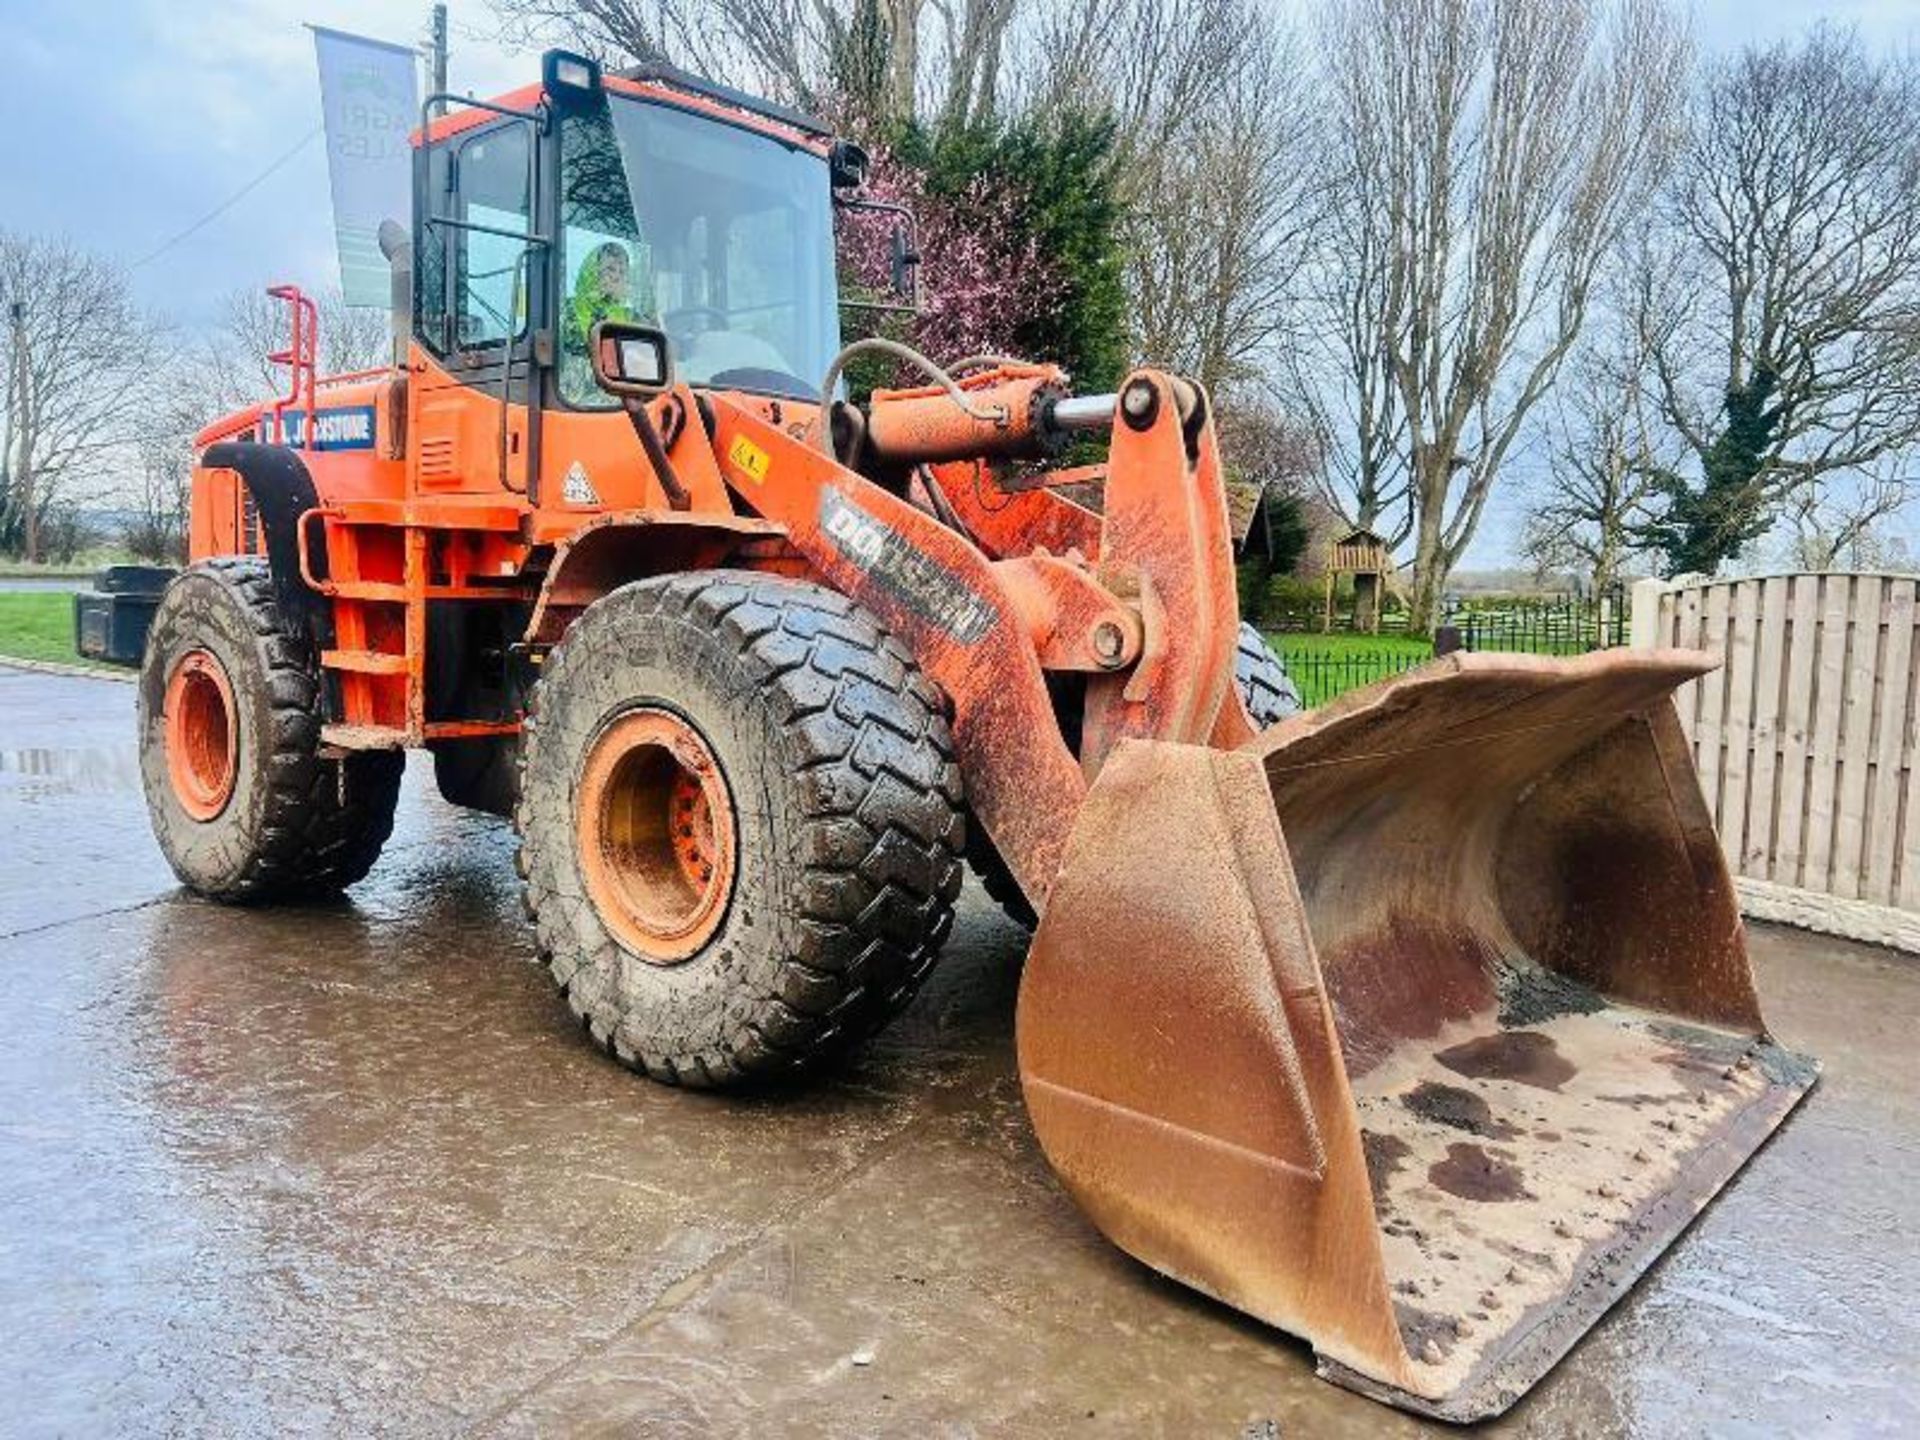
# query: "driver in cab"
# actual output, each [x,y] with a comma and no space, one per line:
[602,290]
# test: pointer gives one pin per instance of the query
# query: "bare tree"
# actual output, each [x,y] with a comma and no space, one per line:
[1607,450]
[868,55]
[776,45]
[197,380]
[1213,167]
[1788,343]
[1263,444]
[160,498]
[1488,158]
[69,370]
[229,367]
[1596,492]
[1839,520]
[1340,373]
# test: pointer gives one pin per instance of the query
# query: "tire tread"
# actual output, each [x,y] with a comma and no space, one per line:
[880,836]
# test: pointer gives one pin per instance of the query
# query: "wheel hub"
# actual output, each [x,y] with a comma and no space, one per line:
[202,734]
[656,835]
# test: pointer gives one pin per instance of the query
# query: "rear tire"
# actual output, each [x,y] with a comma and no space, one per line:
[242,804]
[1270,697]
[740,824]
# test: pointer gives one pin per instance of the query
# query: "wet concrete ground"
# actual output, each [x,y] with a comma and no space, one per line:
[351,1170]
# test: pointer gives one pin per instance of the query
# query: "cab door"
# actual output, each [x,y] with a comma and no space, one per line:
[604,264]
[480,307]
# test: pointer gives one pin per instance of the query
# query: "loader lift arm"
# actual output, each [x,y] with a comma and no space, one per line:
[987,630]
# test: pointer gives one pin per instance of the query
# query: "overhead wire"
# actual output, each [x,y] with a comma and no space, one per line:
[227,204]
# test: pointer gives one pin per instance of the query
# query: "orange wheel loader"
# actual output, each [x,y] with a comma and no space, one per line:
[1416,1025]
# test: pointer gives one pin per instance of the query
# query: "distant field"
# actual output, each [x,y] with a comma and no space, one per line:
[83,565]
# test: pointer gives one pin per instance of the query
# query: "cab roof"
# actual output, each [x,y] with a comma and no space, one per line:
[671,86]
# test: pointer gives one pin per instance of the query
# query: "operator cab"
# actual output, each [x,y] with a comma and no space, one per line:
[649,197]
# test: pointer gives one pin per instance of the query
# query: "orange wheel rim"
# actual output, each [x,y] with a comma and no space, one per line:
[203,734]
[656,835]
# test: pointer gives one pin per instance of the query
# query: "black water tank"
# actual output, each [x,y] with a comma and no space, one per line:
[110,621]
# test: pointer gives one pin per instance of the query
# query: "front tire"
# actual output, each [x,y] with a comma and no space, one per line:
[243,806]
[740,824]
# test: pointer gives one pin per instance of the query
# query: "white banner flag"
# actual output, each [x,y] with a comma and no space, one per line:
[367,91]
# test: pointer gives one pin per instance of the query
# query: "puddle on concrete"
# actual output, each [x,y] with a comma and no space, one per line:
[47,771]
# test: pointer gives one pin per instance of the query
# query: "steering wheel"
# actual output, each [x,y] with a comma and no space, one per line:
[675,320]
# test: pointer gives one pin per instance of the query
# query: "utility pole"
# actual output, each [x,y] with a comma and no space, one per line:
[22,432]
[437,52]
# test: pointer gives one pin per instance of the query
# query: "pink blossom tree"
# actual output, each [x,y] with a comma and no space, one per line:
[981,277]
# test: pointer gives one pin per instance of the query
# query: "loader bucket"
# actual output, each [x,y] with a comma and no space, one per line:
[1418,1026]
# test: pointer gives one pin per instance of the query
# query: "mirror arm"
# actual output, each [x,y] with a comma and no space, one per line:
[678,496]
[910,261]
[880,307]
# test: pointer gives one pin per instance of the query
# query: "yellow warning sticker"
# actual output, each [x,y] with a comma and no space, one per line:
[750,457]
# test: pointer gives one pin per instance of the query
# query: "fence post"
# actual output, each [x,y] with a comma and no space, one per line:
[1645,632]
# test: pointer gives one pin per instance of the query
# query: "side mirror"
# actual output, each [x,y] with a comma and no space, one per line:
[631,361]
[847,165]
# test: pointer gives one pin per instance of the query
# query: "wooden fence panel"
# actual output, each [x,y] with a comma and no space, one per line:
[1829,695]
[1909,878]
[1736,716]
[1797,730]
[1709,728]
[1805,740]
[1893,744]
[1856,735]
[1769,689]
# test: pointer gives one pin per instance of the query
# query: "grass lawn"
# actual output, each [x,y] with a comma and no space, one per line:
[38,625]
[1341,644]
[1324,666]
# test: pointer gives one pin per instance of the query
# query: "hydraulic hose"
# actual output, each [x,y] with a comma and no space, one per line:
[874,345]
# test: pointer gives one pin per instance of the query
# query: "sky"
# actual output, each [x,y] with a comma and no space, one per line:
[166,109]
[129,121]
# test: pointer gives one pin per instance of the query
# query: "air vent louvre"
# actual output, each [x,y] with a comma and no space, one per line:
[439,460]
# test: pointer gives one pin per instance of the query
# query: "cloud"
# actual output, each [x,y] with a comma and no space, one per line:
[183,105]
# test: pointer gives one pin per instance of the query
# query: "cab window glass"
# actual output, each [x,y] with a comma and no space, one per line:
[490,287]
[740,235]
[721,237]
[430,257]
[604,262]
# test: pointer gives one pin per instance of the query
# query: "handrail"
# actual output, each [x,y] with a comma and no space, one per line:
[301,358]
[300,526]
